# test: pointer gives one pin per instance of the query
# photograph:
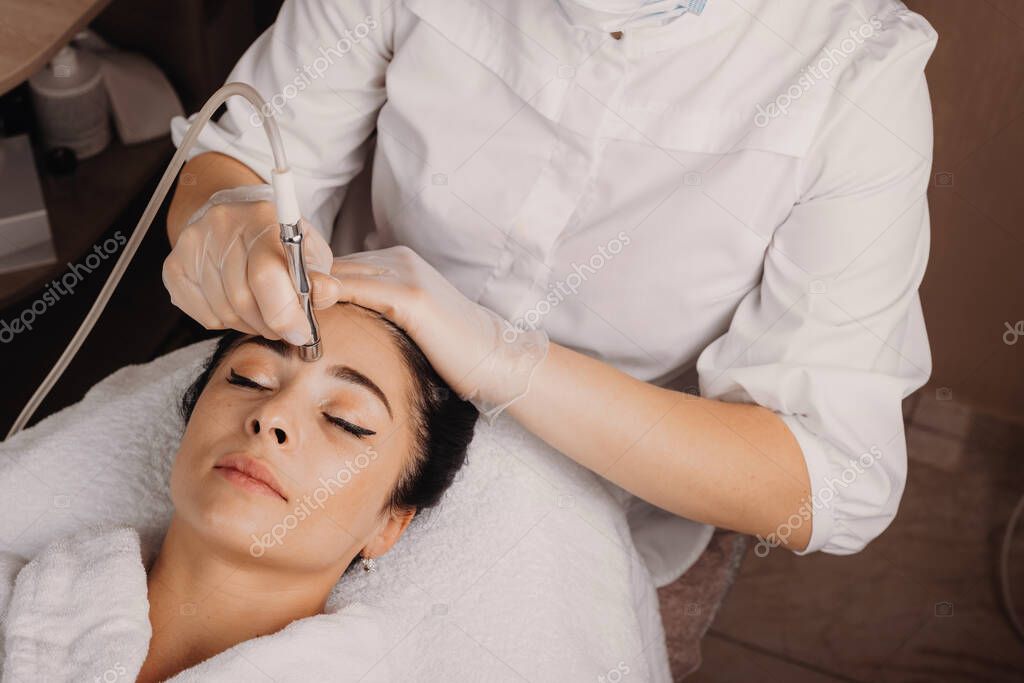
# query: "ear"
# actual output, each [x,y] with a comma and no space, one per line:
[389,533]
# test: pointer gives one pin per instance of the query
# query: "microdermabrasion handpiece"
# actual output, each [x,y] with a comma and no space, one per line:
[288,218]
[287,213]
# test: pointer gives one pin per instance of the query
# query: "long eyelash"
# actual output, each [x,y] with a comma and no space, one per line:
[242,381]
[355,430]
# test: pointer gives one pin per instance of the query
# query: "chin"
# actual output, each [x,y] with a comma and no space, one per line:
[229,519]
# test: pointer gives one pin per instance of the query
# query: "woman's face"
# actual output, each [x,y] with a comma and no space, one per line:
[332,436]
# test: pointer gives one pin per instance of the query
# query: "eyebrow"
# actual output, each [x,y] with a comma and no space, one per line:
[340,372]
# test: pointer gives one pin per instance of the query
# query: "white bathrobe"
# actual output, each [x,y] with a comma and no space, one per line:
[79,611]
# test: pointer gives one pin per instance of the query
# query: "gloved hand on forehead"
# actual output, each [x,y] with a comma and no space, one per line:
[228,269]
[481,356]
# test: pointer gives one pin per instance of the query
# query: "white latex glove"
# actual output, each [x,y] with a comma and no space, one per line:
[228,270]
[481,356]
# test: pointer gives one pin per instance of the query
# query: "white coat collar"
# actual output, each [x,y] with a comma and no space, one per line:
[687,29]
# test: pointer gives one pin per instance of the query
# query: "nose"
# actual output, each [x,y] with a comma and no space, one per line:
[275,432]
[274,420]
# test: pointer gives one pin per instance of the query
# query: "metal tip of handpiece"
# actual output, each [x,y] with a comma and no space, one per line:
[311,352]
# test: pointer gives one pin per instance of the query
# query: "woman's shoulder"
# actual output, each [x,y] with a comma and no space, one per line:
[77,567]
[84,593]
[11,565]
[93,554]
[92,540]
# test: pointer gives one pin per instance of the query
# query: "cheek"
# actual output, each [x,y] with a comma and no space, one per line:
[197,450]
[351,488]
[182,471]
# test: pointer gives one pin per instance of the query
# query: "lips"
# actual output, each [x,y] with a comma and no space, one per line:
[256,473]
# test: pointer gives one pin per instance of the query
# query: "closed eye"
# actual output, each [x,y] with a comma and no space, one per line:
[356,430]
[242,381]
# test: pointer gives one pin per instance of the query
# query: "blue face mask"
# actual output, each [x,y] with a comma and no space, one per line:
[618,15]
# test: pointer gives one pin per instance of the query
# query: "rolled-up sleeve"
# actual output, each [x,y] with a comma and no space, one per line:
[321,69]
[833,338]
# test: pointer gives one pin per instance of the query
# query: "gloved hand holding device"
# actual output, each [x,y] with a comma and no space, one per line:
[228,269]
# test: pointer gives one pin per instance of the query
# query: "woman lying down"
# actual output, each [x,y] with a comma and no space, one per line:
[288,474]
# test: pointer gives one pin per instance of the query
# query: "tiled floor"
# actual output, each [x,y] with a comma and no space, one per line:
[881,615]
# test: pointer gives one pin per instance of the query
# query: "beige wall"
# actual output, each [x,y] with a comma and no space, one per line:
[975,278]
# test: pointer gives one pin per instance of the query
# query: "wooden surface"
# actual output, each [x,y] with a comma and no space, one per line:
[920,604]
[32,31]
[83,205]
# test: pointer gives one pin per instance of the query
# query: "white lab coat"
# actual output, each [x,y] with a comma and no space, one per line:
[740,193]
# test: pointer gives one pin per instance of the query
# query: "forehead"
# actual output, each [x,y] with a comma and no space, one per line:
[358,338]
[350,329]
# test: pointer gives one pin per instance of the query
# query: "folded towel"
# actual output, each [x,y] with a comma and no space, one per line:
[79,611]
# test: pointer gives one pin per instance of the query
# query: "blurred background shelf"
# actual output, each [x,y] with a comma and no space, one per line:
[195,43]
[83,205]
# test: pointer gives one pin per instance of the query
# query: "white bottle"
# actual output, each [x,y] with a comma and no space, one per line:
[71,103]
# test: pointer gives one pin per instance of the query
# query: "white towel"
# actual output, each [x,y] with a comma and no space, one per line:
[526,570]
[79,611]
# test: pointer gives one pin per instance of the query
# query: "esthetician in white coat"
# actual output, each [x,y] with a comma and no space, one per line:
[727,197]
